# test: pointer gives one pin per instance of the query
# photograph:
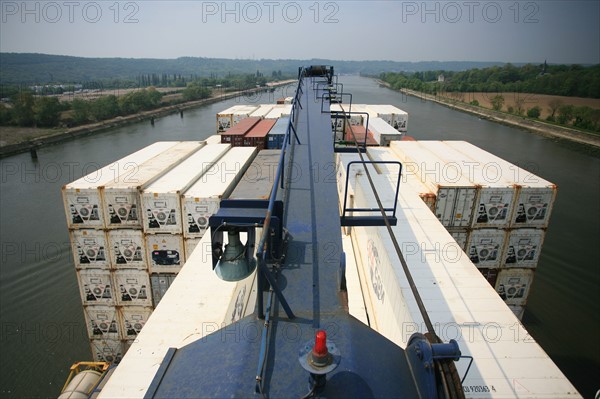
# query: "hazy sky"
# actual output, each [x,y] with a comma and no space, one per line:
[507,31]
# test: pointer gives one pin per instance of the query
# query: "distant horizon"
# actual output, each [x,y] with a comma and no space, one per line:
[521,31]
[308,59]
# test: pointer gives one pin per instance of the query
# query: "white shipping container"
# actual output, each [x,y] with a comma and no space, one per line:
[107,350]
[408,180]
[82,198]
[160,284]
[121,197]
[394,116]
[127,249]
[518,310]
[161,200]
[214,139]
[496,201]
[383,132]
[133,319]
[165,252]
[90,250]
[485,247]
[132,288]
[523,248]
[262,110]
[455,194]
[513,285]
[96,287]
[535,196]
[102,322]
[279,110]
[203,198]
[232,115]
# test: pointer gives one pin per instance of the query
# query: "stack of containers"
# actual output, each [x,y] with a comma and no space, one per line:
[499,240]
[360,135]
[257,182]
[527,225]
[164,217]
[277,133]
[338,124]
[203,198]
[108,260]
[235,135]
[394,116]
[231,116]
[257,136]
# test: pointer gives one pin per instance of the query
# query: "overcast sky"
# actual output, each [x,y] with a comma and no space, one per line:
[506,31]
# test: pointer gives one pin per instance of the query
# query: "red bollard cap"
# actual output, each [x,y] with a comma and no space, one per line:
[320,348]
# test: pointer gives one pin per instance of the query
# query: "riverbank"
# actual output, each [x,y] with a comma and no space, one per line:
[15,140]
[538,127]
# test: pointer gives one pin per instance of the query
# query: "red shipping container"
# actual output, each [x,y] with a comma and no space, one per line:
[235,135]
[359,133]
[257,137]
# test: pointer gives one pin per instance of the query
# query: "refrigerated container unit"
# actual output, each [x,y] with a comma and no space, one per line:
[341,117]
[160,283]
[518,310]
[257,181]
[232,116]
[132,320]
[90,249]
[132,288]
[203,198]
[235,135]
[161,200]
[121,197]
[82,197]
[96,287]
[513,285]
[277,133]
[102,322]
[408,181]
[257,136]
[262,110]
[383,132]
[485,247]
[523,248]
[455,195]
[394,116]
[107,350]
[165,252]
[535,196]
[496,200]
[127,249]
[279,111]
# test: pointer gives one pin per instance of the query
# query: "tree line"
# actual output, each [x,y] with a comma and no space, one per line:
[28,109]
[558,80]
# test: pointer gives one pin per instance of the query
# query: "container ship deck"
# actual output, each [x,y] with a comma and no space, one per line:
[321,265]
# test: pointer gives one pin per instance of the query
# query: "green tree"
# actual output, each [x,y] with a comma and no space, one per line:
[194,91]
[81,111]
[5,115]
[534,112]
[104,107]
[497,102]
[553,106]
[565,114]
[23,114]
[47,111]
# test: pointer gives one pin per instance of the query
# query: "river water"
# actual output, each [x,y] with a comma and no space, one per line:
[42,325]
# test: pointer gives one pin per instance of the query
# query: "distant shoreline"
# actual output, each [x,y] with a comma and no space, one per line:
[43,140]
[538,127]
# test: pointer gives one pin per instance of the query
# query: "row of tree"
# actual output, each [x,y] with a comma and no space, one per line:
[26,109]
[559,80]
